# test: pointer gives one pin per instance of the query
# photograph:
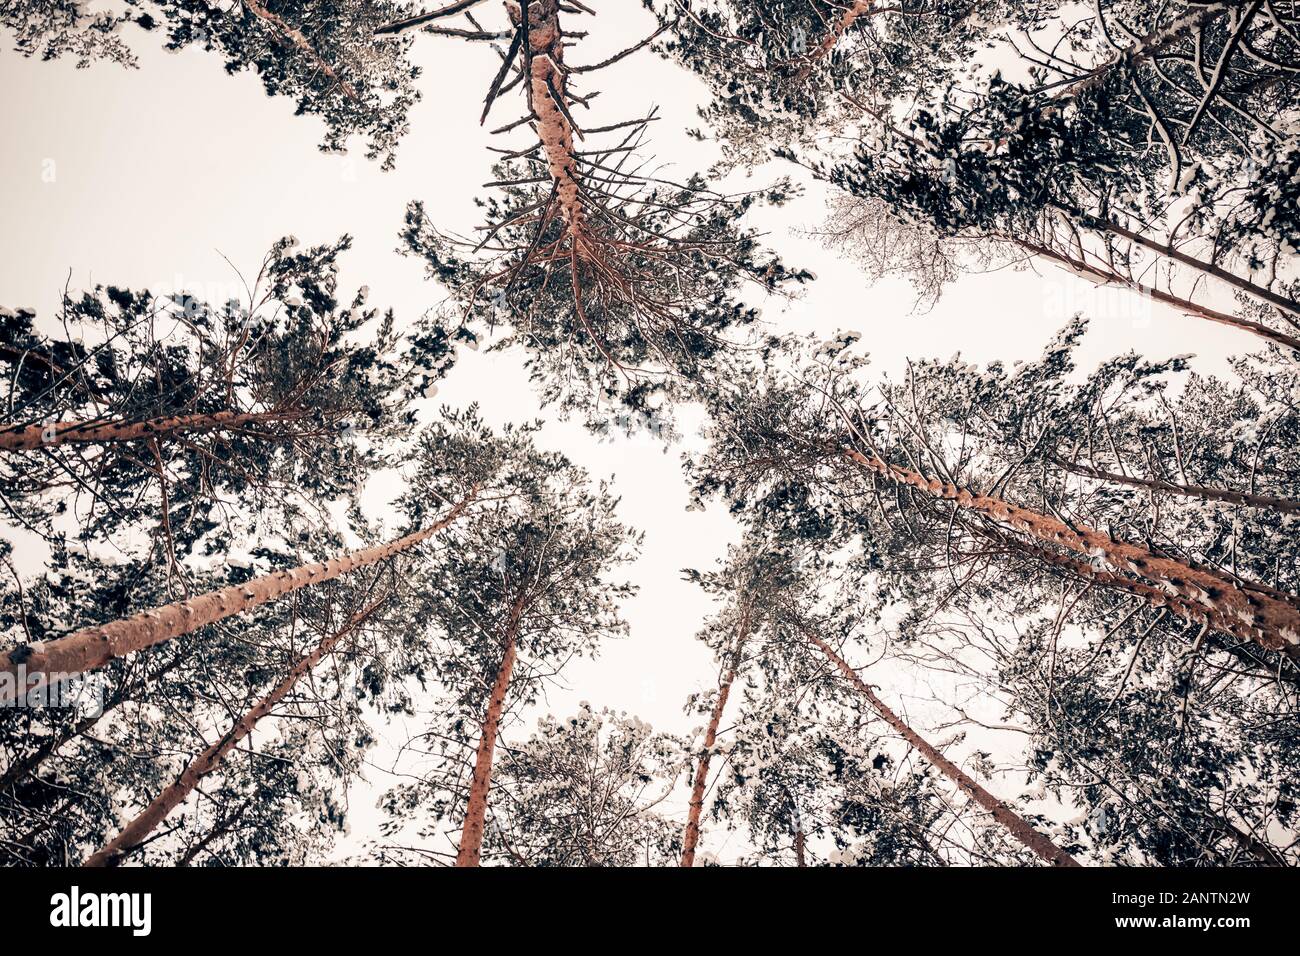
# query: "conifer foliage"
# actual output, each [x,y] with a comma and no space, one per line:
[1041,613]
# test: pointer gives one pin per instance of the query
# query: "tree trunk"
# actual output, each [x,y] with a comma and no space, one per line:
[692,837]
[1204,493]
[471,834]
[1013,822]
[33,665]
[860,8]
[1107,277]
[547,94]
[1203,595]
[138,829]
[33,437]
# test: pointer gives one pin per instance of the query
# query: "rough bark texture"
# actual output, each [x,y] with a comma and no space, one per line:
[30,437]
[1014,823]
[1106,277]
[1271,622]
[148,820]
[93,647]
[1204,493]
[692,837]
[471,834]
[546,85]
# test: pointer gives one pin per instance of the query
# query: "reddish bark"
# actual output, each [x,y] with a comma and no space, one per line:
[547,96]
[471,834]
[134,833]
[92,647]
[692,836]
[1272,622]
[860,8]
[31,437]
[1014,823]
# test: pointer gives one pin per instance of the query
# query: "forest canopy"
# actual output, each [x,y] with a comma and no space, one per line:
[1018,611]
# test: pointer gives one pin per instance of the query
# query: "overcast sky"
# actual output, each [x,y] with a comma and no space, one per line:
[147,178]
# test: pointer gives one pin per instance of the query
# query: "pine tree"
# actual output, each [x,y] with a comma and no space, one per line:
[525,589]
[584,791]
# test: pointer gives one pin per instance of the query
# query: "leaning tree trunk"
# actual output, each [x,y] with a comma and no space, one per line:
[32,437]
[1196,593]
[34,665]
[692,836]
[135,832]
[471,834]
[1014,823]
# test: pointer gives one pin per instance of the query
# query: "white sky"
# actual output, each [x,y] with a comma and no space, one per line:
[146,178]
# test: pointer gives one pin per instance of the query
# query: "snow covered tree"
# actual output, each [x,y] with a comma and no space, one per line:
[56,28]
[623,285]
[154,410]
[801,712]
[964,578]
[1139,144]
[330,56]
[780,446]
[525,588]
[227,681]
[584,791]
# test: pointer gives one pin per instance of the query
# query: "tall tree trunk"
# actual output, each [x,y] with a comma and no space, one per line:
[1155,597]
[134,833]
[548,97]
[692,837]
[33,665]
[1014,823]
[471,834]
[1105,276]
[1202,492]
[32,437]
[1269,621]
